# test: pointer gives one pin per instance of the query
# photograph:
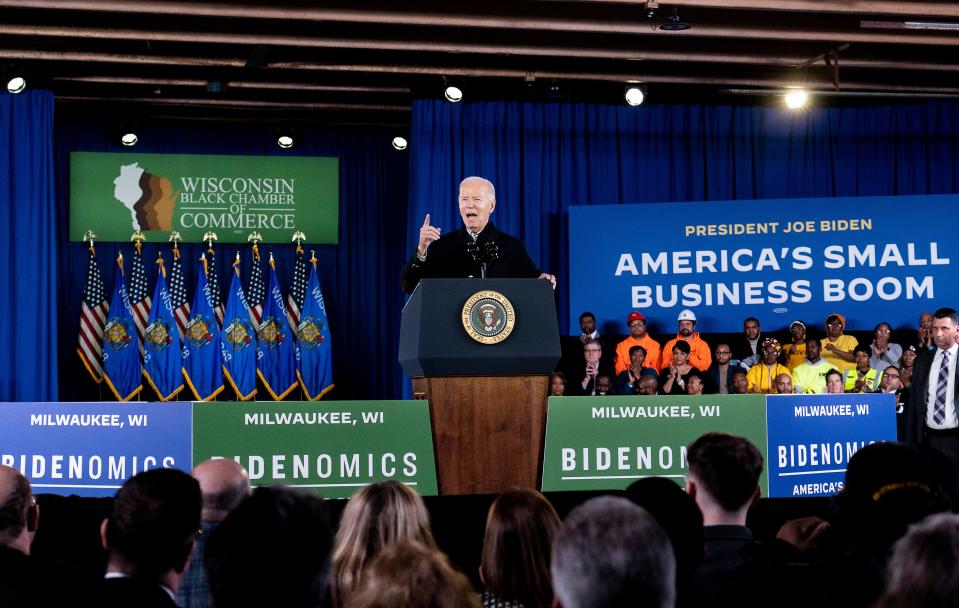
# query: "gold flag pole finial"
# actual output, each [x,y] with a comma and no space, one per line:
[137,238]
[175,238]
[255,236]
[298,237]
[89,236]
[209,237]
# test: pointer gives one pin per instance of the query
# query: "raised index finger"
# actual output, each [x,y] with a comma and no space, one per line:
[426,222]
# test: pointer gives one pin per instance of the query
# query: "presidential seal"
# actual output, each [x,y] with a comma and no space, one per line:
[488,317]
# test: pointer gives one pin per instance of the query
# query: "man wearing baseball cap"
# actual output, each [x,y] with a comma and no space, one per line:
[637,336]
[700,355]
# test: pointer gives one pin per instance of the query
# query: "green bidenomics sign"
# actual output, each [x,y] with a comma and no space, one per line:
[117,194]
[609,442]
[332,447]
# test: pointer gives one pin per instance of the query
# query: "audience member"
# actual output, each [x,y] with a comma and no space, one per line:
[837,347]
[648,385]
[699,355]
[223,486]
[593,350]
[760,376]
[883,353]
[906,364]
[409,574]
[377,516]
[923,566]
[673,378]
[783,384]
[611,553]
[924,340]
[272,550]
[889,381]
[149,536]
[519,536]
[557,384]
[604,385]
[810,377]
[747,348]
[933,399]
[796,351]
[740,384]
[676,512]
[862,378]
[723,479]
[627,383]
[638,336]
[695,385]
[834,384]
[721,371]
[587,326]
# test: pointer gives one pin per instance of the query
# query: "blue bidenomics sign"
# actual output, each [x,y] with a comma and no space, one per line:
[872,259]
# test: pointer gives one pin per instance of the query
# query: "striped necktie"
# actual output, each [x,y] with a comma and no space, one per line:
[942,384]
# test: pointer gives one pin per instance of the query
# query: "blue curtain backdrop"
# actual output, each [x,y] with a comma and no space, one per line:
[543,158]
[28,249]
[359,277]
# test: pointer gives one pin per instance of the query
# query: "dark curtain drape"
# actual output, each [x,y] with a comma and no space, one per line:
[543,158]
[359,277]
[28,249]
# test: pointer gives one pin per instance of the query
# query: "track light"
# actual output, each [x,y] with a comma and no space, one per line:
[16,84]
[635,96]
[129,139]
[674,23]
[796,98]
[400,143]
[126,134]
[453,94]
[285,137]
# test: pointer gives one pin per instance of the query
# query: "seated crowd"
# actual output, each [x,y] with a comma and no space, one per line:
[752,362]
[172,539]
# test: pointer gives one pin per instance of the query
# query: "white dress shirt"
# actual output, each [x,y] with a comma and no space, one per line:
[950,421]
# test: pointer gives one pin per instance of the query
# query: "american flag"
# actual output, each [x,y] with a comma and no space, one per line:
[181,308]
[216,301]
[256,290]
[93,316]
[139,294]
[294,302]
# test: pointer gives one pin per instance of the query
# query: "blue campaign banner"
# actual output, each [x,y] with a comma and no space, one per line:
[870,258]
[812,437]
[90,449]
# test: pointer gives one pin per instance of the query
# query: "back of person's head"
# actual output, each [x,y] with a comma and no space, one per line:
[272,550]
[516,549]
[677,513]
[611,553]
[17,509]
[223,484]
[376,516]
[888,486]
[727,467]
[155,518]
[923,566]
[409,574]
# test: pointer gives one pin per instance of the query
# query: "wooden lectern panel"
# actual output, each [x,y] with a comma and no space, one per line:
[487,430]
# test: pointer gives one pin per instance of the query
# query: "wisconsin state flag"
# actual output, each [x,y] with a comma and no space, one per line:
[314,354]
[121,348]
[162,356]
[238,341]
[202,360]
[275,363]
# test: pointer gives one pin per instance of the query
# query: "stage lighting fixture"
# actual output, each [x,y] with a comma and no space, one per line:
[635,96]
[16,84]
[796,98]
[129,138]
[285,137]
[400,143]
[674,23]
[453,94]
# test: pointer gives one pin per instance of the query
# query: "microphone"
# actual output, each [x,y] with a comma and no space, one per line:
[483,253]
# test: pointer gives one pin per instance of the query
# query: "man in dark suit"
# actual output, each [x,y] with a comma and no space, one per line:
[478,249]
[149,537]
[934,396]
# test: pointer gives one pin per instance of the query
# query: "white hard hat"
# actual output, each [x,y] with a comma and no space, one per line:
[687,315]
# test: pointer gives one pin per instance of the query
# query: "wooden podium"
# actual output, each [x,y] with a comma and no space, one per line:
[487,401]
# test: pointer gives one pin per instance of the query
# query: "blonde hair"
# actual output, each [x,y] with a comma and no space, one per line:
[379,515]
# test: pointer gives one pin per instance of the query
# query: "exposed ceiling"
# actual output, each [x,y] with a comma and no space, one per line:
[363,62]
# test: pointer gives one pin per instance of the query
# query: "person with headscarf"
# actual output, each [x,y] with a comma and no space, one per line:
[760,376]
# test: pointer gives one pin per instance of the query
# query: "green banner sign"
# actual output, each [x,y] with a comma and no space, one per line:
[332,447]
[602,443]
[116,194]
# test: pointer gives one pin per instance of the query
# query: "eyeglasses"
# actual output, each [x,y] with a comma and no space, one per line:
[833,324]
[894,377]
[723,352]
[882,331]
[637,323]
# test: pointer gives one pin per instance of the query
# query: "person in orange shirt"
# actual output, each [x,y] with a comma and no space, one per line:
[637,336]
[700,355]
